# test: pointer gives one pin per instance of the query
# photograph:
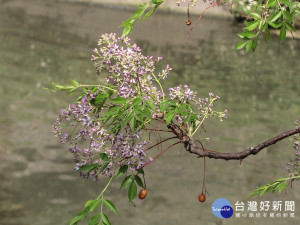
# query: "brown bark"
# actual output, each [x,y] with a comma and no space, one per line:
[191,147]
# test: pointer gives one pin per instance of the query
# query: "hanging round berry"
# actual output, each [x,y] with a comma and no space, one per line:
[142,194]
[188,22]
[202,197]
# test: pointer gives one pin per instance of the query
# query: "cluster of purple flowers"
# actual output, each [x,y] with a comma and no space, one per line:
[182,94]
[130,75]
[293,166]
[77,125]
[128,69]
[203,105]
[125,148]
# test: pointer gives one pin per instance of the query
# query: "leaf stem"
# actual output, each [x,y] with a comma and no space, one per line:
[108,183]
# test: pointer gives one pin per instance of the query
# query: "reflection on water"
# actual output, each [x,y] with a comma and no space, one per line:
[43,41]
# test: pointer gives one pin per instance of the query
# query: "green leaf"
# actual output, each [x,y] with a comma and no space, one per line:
[119,100]
[280,187]
[103,167]
[132,124]
[132,191]
[126,181]
[76,219]
[127,118]
[62,87]
[186,119]
[275,16]
[252,25]
[164,105]
[113,111]
[141,171]
[110,205]
[290,27]
[95,219]
[139,181]
[101,98]
[103,156]
[271,3]
[255,16]
[148,113]
[138,109]
[169,116]
[150,104]
[241,45]
[128,24]
[142,7]
[118,114]
[182,107]
[136,101]
[275,25]
[265,26]
[91,205]
[270,188]
[127,30]
[248,46]
[288,16]
[75,83]
[246,34]
[72,91]
[81,215]
[123,169]
[183,113]
[262,191]
[261,25]
[157,3]
[105,219]
[139,117]
[88,167]
[282,34]
[282,179]
[149,13]
[286,2]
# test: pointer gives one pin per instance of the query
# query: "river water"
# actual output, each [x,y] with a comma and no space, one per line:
[43,41]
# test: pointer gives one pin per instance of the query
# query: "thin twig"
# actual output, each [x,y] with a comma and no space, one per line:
[188,32]
[203,183]
[159,143]
[162,152]
[156,130]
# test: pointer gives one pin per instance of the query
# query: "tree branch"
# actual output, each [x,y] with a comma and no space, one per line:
[192,148]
